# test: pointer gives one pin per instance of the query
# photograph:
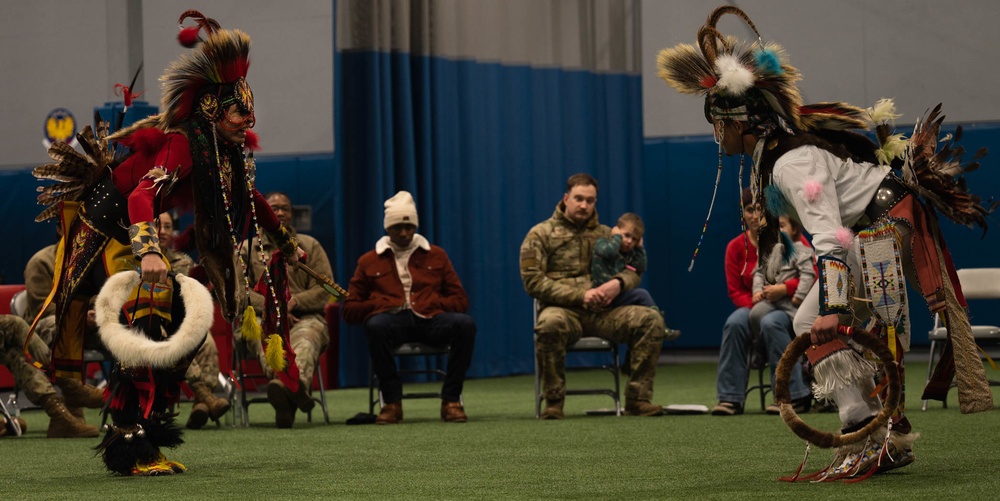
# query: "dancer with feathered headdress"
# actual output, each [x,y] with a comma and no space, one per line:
[195,154]
[870,210]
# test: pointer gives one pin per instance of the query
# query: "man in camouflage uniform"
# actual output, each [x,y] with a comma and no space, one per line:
[555,269]
[63,423]
[203,374]
[309,336]
[36,385]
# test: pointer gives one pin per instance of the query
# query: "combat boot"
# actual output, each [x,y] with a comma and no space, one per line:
[553,410]
[62,422]
[77,394]
[206,405]
[642,408]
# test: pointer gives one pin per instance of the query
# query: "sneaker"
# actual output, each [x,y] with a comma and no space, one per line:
[773,410]
[727,409]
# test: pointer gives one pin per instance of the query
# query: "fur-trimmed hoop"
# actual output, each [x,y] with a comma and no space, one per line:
[131,347]
[782,395]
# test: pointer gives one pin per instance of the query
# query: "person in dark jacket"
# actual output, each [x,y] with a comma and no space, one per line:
[406,290]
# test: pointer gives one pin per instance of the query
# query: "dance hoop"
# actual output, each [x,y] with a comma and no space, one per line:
[782,396]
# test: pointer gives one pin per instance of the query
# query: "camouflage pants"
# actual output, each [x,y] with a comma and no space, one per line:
[309,339]
[33,382]
[640,327]
[205,366]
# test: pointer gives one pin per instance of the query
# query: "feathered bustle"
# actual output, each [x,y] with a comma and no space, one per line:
[934,170]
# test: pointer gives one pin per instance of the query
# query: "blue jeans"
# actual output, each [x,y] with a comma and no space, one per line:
[775,331]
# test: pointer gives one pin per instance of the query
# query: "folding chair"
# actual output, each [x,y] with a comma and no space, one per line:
[19,303]
[247,372]
[977,283]
[757,361]
[433,368]
[588,344]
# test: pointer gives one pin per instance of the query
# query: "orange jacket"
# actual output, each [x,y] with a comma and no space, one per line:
[376,287]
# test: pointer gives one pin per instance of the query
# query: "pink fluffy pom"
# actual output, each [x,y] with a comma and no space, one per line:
[845,237]
[813,190]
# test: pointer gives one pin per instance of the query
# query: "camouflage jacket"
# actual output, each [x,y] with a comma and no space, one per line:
[556,256]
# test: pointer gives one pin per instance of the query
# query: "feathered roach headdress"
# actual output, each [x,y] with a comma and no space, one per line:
[206,80]
[748,81]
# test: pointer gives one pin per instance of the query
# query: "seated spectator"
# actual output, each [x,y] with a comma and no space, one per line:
[770,289]
[624,250]
[65,411]
[308,335]
[406,290]
[38,276]
[202,375]
[737,339]
[555,267]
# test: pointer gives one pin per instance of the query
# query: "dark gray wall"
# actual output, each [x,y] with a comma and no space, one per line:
[70,54]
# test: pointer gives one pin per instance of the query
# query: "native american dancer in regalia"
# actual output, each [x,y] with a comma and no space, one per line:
[195,154]
[871,211]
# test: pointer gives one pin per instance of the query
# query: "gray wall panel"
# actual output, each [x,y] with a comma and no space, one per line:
[919,52]
[70,54]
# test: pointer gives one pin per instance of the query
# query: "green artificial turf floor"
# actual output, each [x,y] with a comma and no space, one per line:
[503,452]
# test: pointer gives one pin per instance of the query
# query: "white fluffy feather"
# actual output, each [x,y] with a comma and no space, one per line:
[884,111]
[130,346]
[734,78]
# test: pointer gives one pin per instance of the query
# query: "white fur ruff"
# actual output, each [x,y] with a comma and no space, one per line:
[131,347]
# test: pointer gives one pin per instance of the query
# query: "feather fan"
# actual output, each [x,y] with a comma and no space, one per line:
[73,172]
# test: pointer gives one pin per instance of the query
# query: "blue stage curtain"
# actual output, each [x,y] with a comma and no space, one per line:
[484,146]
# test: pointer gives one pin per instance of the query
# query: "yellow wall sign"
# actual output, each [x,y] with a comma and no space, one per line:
[60,126]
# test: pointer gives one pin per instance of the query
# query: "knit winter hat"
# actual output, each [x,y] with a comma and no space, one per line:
[400,209]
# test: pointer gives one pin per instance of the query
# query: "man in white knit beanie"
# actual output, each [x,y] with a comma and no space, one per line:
[406,290]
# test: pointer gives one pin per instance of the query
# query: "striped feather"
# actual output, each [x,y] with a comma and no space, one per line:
[934,169]
[49,213]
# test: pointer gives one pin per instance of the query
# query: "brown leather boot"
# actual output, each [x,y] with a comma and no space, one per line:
[302,398]
[77,394]
[206,405]
[281,399]
[642,408]
[453,412]
[553,410]
[62,422]
[390,414]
